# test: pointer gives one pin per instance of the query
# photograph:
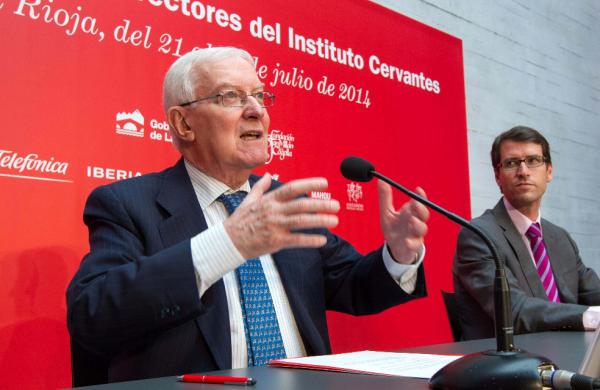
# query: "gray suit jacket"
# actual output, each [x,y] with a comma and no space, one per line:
[473,272]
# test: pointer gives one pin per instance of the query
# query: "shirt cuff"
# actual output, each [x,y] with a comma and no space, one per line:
[404,274]
[591,318]
[213,255]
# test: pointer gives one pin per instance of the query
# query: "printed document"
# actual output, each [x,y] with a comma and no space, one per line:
[416,365]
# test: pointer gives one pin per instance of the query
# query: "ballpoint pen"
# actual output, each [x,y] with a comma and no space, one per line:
[217,379]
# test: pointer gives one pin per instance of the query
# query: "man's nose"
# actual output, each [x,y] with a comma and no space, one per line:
[252,108]
[522,168]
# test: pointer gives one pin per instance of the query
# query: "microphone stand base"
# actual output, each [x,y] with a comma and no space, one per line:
[492,370]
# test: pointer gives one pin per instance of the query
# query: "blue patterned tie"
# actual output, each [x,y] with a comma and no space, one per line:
[263,338]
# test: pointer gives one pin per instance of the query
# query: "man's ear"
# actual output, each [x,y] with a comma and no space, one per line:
[549,173]
[179,126]
[497,177]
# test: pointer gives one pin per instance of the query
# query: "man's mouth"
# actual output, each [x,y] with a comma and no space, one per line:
[251,135]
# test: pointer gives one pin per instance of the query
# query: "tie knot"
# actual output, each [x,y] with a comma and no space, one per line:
[232,201]
[534,231]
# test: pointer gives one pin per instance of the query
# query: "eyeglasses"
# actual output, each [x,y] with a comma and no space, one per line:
[510,164]
[238,98]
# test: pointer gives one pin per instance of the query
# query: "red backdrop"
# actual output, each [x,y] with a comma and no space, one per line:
[75,72]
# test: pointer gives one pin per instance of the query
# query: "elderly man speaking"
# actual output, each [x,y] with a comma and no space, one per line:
[204,266]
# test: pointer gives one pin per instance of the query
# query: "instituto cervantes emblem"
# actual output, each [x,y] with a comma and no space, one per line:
[355,194]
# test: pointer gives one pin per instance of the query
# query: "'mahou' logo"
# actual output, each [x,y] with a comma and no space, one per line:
[280,145]
[131,123]
[320,195]
[355,194]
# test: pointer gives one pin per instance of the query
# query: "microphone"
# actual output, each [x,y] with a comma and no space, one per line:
[506,367]
[357,169]
[567,380]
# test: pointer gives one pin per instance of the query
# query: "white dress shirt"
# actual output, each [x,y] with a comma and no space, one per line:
[522,223]
[215,257]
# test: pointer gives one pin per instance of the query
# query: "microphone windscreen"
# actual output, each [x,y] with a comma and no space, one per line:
[357,169]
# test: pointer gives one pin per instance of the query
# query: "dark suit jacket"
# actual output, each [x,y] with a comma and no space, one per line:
[135,299]
[578,286]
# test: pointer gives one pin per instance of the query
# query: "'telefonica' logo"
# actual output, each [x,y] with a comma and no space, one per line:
[32,166]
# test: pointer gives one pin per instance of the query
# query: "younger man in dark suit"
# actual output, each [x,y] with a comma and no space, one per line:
[550,286]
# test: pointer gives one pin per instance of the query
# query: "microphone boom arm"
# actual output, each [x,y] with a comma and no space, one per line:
[502,303]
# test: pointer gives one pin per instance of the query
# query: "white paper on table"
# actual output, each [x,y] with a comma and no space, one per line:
[416,365]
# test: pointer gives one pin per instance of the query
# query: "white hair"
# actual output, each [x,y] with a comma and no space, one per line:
[180,81]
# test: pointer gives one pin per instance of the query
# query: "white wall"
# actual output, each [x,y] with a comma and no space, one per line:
[535,63]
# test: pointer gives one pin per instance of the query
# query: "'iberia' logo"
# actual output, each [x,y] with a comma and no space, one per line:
[280,145]
[355,194]
[130,123]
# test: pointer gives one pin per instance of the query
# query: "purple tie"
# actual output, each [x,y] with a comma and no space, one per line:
[542,262]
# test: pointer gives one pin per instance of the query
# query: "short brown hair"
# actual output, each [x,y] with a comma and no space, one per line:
[520,134]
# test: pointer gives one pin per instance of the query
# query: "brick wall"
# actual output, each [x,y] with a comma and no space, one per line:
[535,63]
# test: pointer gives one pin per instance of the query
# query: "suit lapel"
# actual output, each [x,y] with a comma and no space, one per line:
[552,240]
[185,219]
[177,197]
[293,269]
[521,256]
